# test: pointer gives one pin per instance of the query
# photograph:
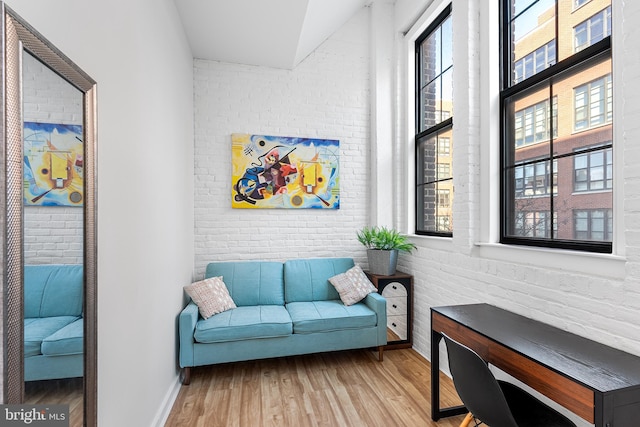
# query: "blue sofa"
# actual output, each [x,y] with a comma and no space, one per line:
[53,325]
[282,309]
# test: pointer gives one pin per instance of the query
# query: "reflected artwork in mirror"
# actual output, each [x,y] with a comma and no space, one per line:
[48,226]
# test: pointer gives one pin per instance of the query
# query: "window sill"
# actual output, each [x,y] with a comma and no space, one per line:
[594,264]
[592,127]
[586,192]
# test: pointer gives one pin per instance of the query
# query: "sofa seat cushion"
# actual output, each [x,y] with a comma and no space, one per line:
[36,329]
[332,315]
[243,323]
[65,341]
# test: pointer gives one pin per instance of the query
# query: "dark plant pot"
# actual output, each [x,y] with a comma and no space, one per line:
[382,262]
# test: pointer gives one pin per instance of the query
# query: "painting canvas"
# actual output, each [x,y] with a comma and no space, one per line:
[285,172]
[53,164]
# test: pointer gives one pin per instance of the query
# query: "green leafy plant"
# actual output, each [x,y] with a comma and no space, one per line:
[385,239]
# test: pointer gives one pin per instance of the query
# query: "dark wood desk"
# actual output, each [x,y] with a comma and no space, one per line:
[594,381]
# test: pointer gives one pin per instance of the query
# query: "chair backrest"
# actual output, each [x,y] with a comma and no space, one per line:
[477,387]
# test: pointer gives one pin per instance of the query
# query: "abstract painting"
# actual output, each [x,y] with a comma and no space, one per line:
[53,164]
[285,172]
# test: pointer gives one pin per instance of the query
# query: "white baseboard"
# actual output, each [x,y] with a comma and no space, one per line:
[167,404]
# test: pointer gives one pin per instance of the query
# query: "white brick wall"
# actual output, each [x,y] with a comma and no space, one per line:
[52,234]
[325,96]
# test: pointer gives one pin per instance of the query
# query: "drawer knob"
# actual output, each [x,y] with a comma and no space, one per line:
[394,325]
[395,306]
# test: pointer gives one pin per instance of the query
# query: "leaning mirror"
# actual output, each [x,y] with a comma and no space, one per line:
[49,226]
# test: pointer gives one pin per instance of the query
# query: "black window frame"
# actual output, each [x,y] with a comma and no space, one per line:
[589,55]
[438,129]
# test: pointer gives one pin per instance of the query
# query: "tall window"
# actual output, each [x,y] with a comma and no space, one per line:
[434,123]
[557,115]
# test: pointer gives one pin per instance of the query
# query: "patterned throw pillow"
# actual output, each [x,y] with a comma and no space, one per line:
[211,296]
[352,285]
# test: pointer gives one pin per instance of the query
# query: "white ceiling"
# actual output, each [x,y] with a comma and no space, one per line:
[273,33]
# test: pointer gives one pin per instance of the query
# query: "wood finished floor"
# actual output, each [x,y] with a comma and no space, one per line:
[349,388]
[53,392]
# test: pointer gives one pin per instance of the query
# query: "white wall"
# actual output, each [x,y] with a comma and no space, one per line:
[596,296]
[325,96]
[137,53]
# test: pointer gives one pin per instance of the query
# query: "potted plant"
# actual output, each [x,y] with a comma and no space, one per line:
[383,245]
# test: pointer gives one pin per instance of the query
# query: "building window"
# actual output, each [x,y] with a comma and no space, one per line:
[592,30]
[444,198]
[444,170]
[444,146]
[534,224]
[593,170]
[593,224]
[434,124]
[536,61]
[557,115]
[536,178]
[578,3]
[444,222]
[532,124]
[593,103]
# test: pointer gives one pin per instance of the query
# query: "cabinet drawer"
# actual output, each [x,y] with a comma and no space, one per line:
[394,289]
[396,306]
[398,324]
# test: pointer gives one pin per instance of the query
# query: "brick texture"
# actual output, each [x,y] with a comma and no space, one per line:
[52,234]
[325,96]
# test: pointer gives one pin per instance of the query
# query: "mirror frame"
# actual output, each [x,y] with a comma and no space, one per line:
[18,36]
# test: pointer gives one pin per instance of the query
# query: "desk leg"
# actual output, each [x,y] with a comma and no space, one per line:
[436,412]
[435,375]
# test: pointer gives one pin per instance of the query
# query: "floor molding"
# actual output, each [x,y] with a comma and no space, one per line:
[167,404]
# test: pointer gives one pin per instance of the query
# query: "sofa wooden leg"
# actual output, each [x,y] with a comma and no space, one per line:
[186,376]
[380,351]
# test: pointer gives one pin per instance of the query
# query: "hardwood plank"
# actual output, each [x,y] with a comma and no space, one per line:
[337,389]
[53,392]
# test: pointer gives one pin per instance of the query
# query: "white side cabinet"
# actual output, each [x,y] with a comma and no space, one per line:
[398,291]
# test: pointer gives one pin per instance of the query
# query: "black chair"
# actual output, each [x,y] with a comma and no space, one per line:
[495,403]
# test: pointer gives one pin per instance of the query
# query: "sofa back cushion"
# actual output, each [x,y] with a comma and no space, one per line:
[53,290]
[308,279]
[251,282]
